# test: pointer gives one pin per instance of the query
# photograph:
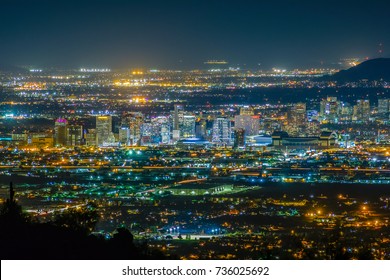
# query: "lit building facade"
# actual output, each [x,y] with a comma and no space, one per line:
[103,129]
[60,132]
[74,135]
[222,131]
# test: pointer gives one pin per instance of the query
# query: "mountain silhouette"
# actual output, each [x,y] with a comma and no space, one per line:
[372,70]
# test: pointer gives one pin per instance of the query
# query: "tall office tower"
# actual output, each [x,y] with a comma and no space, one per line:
[146,133]
[90,137]
[74,135]
[239,137]
[366,112]
[103,129]
[200,129]
[330,108]
[156,131]
[383,106]
[60,136]
[178,114]
[297,120]
[133,121]
[247,111]
[124,135]
[222,131]
[361,110]
[323,105]
[346,111]
[298,114]
[177,121]
[187,127]
[250,124]
[165,136]
[160,130]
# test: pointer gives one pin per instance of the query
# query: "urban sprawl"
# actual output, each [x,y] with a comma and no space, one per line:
[218,163]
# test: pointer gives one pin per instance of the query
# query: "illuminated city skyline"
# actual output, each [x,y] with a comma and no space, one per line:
[195,130]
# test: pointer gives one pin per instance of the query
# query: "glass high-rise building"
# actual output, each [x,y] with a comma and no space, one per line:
[103,129]
[133,121]
[297,120]
[187,127]
[222,131]
[239,137]
[74,135]
[124,135]
[383,106]
[251,124]
[361,110]
[330,108]
[60,132]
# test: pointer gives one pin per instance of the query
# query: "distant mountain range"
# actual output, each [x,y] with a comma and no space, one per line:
[374,69]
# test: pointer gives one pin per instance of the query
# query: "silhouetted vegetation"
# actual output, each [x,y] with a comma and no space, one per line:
[80,219]
[68,236]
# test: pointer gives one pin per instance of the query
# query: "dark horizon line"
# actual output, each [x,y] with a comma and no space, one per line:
[201,66]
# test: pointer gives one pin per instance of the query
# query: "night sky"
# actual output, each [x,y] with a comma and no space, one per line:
[183,34]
